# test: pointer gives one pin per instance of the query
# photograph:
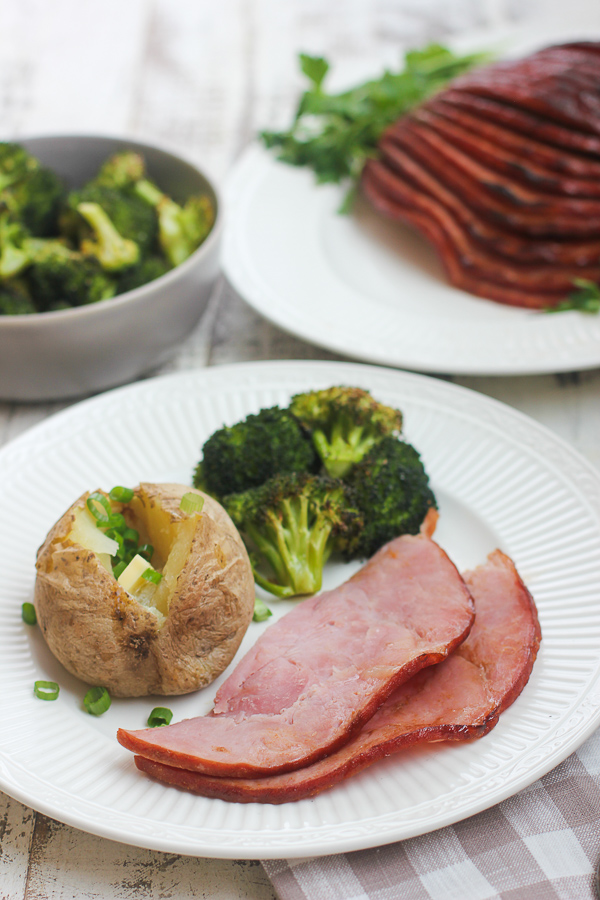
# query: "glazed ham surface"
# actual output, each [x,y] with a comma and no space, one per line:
[459,699]
[318,674]
[500,173]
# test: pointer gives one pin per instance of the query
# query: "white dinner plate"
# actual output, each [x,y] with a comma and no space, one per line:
[501,481]
[373,289]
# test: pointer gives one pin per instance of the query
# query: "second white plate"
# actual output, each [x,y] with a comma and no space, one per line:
[373,289]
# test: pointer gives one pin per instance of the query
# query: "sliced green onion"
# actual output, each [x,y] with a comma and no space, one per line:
[46,690]
[116,536]
[117,521]
[261,611]
[147,551]
[96,701]
[28,614]
[152,575]
[131,536]
[99,507]
[160,715]
[120,567]
[121,494]
[191,503]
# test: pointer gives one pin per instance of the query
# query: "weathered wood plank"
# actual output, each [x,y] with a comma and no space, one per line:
[69,66]
[66,864]
[16,831]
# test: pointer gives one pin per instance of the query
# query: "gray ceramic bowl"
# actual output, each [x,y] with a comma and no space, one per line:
[71,352]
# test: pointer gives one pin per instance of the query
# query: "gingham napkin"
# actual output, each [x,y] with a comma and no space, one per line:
[542,844]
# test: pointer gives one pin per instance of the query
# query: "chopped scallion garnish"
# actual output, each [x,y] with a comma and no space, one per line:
[100,508]
[120,567]
[28,614]
[117,521]
[131,536]
[160,715]
[147,551]
[121,494]
[261,611]
[152,575]
[191,503]
[96,701]
[46,690]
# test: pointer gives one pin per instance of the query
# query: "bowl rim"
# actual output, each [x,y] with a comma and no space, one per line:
[205,248]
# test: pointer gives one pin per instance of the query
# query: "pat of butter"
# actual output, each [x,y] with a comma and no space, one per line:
[131,578]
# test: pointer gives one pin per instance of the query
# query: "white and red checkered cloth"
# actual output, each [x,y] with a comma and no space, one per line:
[542,844]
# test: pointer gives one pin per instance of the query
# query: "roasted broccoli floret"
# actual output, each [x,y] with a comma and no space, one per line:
[391,490]
[244,455]
[15,163]
[15,299]
[35,200]
[345,423]
[181,229]
[60,277]
[112,250]
[133,219]
[122,170]
[15,254]
[146,270]
[291,525]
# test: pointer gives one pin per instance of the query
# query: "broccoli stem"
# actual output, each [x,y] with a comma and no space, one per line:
[112,251]
[177,226]
[14,257]
[295,549]
[148,191]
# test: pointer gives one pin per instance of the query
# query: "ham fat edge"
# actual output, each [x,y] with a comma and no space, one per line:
[459,699]
[316,676]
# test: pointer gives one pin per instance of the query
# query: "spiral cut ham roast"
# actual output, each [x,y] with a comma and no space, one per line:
[457,700]
[318,674]
[500,173]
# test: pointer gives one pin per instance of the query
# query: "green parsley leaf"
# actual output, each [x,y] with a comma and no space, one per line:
[586,299]
[314,67]
[334,134]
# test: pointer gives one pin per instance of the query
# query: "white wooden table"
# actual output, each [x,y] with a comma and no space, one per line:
[204,77]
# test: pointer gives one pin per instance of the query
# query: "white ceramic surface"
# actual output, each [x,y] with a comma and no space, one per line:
[501,480]
[78,351]
[373,289]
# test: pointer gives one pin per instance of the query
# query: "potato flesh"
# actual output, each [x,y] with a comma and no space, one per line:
[86,533]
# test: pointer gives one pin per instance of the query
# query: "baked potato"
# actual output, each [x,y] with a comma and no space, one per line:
[136,637]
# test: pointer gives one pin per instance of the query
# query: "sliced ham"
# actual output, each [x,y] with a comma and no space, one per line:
[525,122]
[470,115]
[318,674]
[494,279]
[457,700]
[499,198]
[501,241]
[556,83]
[505,161]
[500,172]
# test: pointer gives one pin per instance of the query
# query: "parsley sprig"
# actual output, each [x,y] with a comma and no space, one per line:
[585,299]
[335,134]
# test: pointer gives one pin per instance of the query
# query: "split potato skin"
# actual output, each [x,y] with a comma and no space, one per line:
[104,636]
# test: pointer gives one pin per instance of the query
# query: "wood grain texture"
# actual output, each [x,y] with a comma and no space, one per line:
[203,77]
[66,864]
